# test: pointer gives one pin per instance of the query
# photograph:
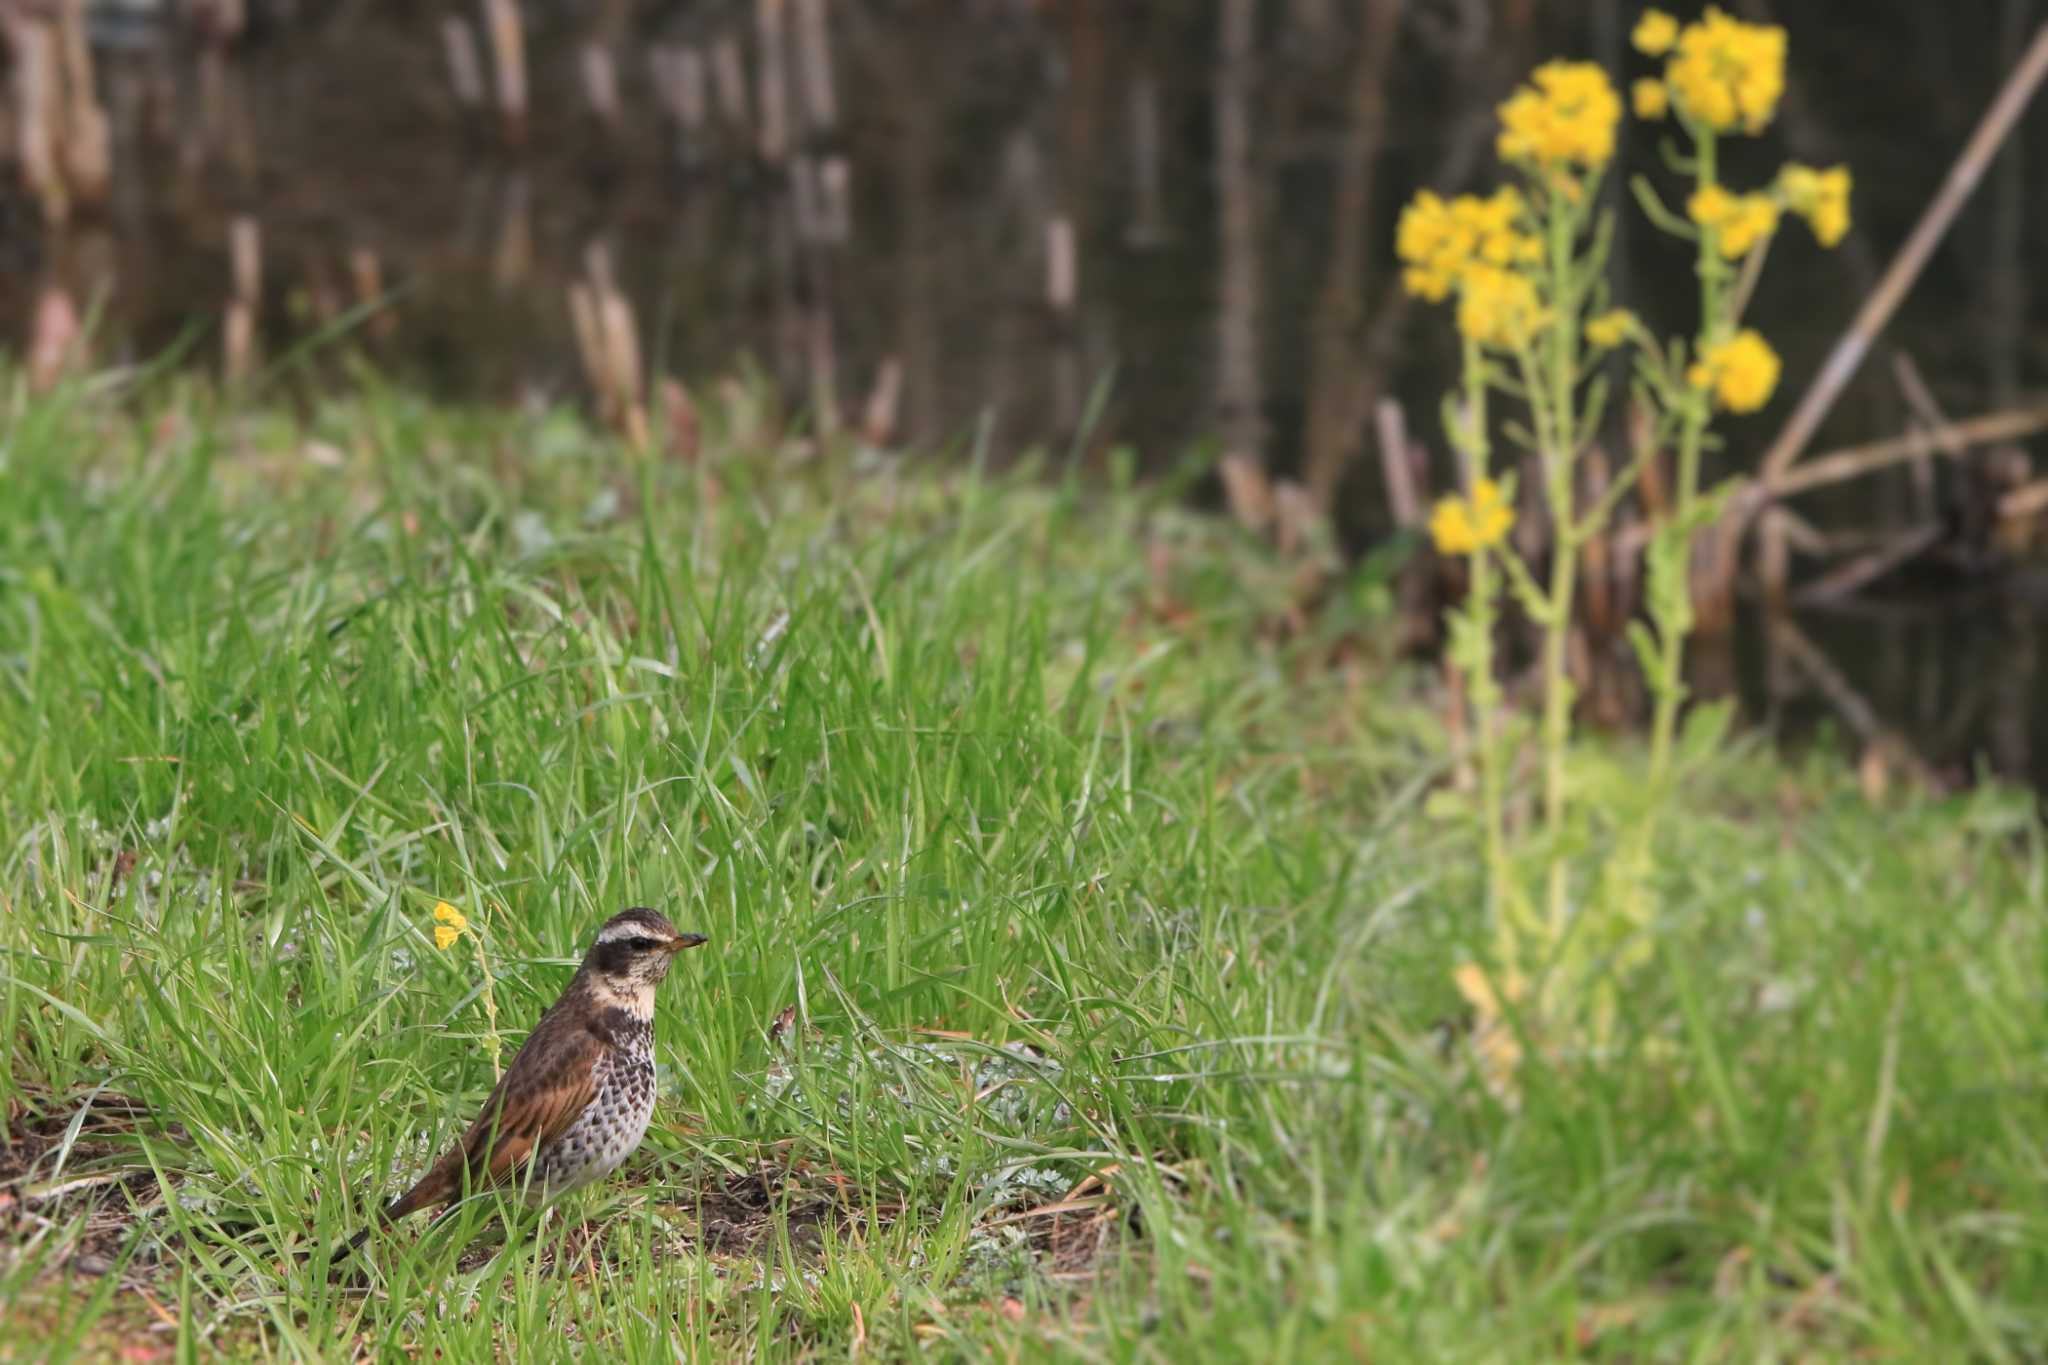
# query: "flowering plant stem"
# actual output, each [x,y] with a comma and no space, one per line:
[1482,686]
[1673,622]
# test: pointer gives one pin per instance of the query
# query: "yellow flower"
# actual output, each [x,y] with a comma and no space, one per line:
[1727,74]
[1651,99]
[1497,307]
[448,925]
[1655,32]
[1439,240]
[1566,117]
[1710,206]
[1742,371]
[1755,218]
[1738,222]
[1609,329]
[1820,197]
[1463,526]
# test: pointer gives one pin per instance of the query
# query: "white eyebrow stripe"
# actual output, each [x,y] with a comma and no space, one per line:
[619,933]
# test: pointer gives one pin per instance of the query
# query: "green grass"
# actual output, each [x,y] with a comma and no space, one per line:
[1071,855]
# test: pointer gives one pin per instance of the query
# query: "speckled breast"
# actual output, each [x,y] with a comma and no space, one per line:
[611,1126]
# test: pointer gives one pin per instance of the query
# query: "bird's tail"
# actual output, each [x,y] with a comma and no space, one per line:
[341,1252]
[428,1191]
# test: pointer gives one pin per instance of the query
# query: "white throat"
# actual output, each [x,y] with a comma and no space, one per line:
[635,998]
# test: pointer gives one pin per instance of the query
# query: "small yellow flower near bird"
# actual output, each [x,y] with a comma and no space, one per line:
[448,925]
[1462,526]
[1655,32]
[1742,371]
[1610,328]
[1650,99]
[1564,118]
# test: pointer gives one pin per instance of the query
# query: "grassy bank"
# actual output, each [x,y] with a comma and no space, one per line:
[1083,933]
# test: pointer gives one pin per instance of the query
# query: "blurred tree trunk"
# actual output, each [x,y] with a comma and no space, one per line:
[1340,390]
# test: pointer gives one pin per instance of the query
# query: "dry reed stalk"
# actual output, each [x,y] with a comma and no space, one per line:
[1920,400]
[1905,267]
[601,85]
[1333,427]
[1852,461]
[608,341]
[2028,500]
[1062,269]
[1240,396]
[822,357]
[1148,185]
[1246,491]
[238,341]
[622,361]
[588,330]
[56,339]
[681,427]
[814,66]
[1773,558]
[245,292]
[878,419]
[1396,471]
[835,199]
[806,210]
[366,279]
[465,65]
[245,258]
[1899,547]
[729,80]
[1596,556]
[87,137]
[37,109]
[771,29]
[677,74]
[507,33]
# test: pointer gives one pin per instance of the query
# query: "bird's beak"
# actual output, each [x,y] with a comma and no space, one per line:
[682,941]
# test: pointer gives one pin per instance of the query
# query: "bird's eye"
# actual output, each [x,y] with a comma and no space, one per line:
[641,945]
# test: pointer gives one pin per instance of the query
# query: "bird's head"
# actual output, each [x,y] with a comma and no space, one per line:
[633,951]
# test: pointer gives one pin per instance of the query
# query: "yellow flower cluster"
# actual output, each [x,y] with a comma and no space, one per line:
[1610,328]
[1463,526]
[1742,371]
[448,925]
[1820,197]
[1650,98]
[1739,222]
[1440,240]
[1655,32]
[1497,307]
[1565,118]
[1722,72]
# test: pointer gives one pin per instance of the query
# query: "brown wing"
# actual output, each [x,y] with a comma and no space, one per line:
[551,1079]
[549,1083]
